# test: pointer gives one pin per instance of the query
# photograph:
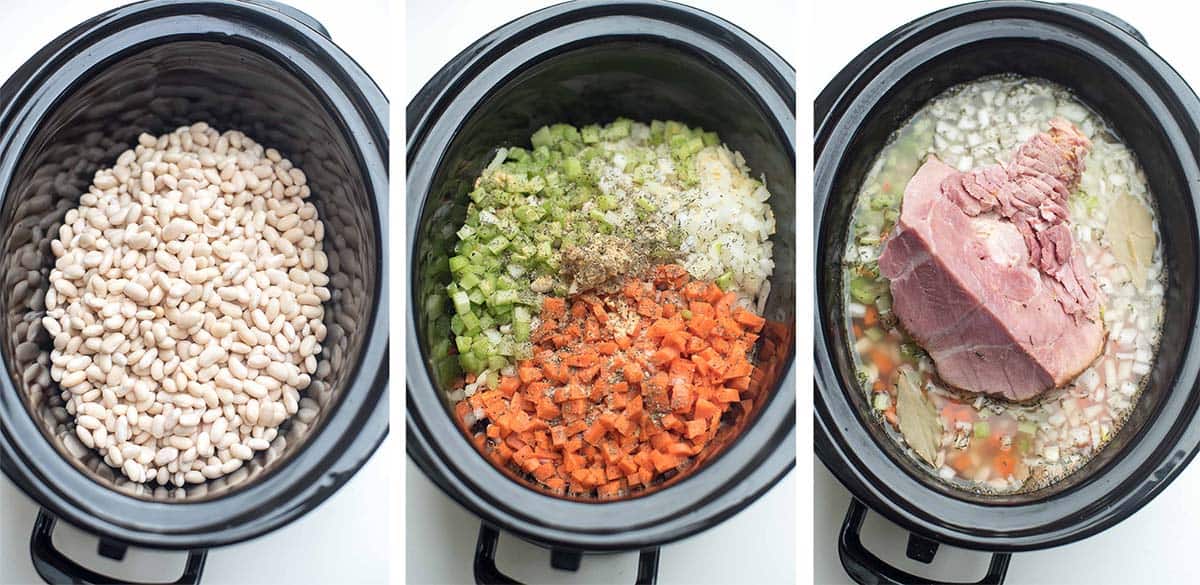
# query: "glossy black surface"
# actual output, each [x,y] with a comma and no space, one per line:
[1155,113]
[586,62]
[75,107]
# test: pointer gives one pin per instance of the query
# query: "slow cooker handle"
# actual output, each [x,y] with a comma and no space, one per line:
[486,572]
[55,567]
[867,569]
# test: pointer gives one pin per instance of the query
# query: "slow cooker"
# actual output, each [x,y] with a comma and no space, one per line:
[72,108]
[1108,64]
[580,63]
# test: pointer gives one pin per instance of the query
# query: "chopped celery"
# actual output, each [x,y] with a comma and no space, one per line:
[469,281]
[470,322]
[982,429]
[542,137]
[725,281]
[504,297]
[864,290]
[462,303]
[572,168]
[463,342]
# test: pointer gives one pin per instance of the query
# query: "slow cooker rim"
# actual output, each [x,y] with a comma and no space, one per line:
[362,106]
[833,450]
[423,114]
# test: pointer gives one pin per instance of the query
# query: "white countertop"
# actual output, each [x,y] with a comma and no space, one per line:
[1155,545]
[755,546]
[345,540]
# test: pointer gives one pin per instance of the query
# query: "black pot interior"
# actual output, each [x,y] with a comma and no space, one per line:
[1137,126]
[156,89]
[641,80]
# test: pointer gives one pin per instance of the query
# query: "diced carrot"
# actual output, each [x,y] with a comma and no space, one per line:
[622,425]
[558,435]
[961,462]
[663,462]
[547,410]
[676,340]
[554,307]
[1004,463]
[556,485]
[750,320]
[882,361]
[737,370]
[681,398]
[664,356]
[728,395]
[508,385]
[871,317]
[662,327]
[528,375]
[543,471]
[679,449]
[594,434]
[705,409]
[696,428]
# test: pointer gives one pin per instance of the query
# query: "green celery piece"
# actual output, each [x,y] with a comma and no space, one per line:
[462,303]
[504,297]
[463,342]
[470,363]
[470,323]
[572,168]
[864,290]
[982,429]
[542,138]
[468,281]
[498,244]
[618,129]
[725,281]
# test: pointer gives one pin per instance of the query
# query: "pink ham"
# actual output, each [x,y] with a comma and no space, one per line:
[985,275]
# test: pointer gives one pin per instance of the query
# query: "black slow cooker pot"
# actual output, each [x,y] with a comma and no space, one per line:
[580,63]
[1109,66]
[273,73]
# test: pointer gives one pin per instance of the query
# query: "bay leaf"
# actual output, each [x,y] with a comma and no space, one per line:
[1130,229]
[919,421]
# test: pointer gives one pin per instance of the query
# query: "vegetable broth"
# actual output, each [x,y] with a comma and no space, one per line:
[976,442]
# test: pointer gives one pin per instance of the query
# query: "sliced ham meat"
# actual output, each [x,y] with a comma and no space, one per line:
[985,274]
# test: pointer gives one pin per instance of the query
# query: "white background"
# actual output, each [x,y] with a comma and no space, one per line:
[345,540]
[756,546]
[1156,545]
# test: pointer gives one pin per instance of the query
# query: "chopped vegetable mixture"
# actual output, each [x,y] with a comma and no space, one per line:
[621,388]
[607,286]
